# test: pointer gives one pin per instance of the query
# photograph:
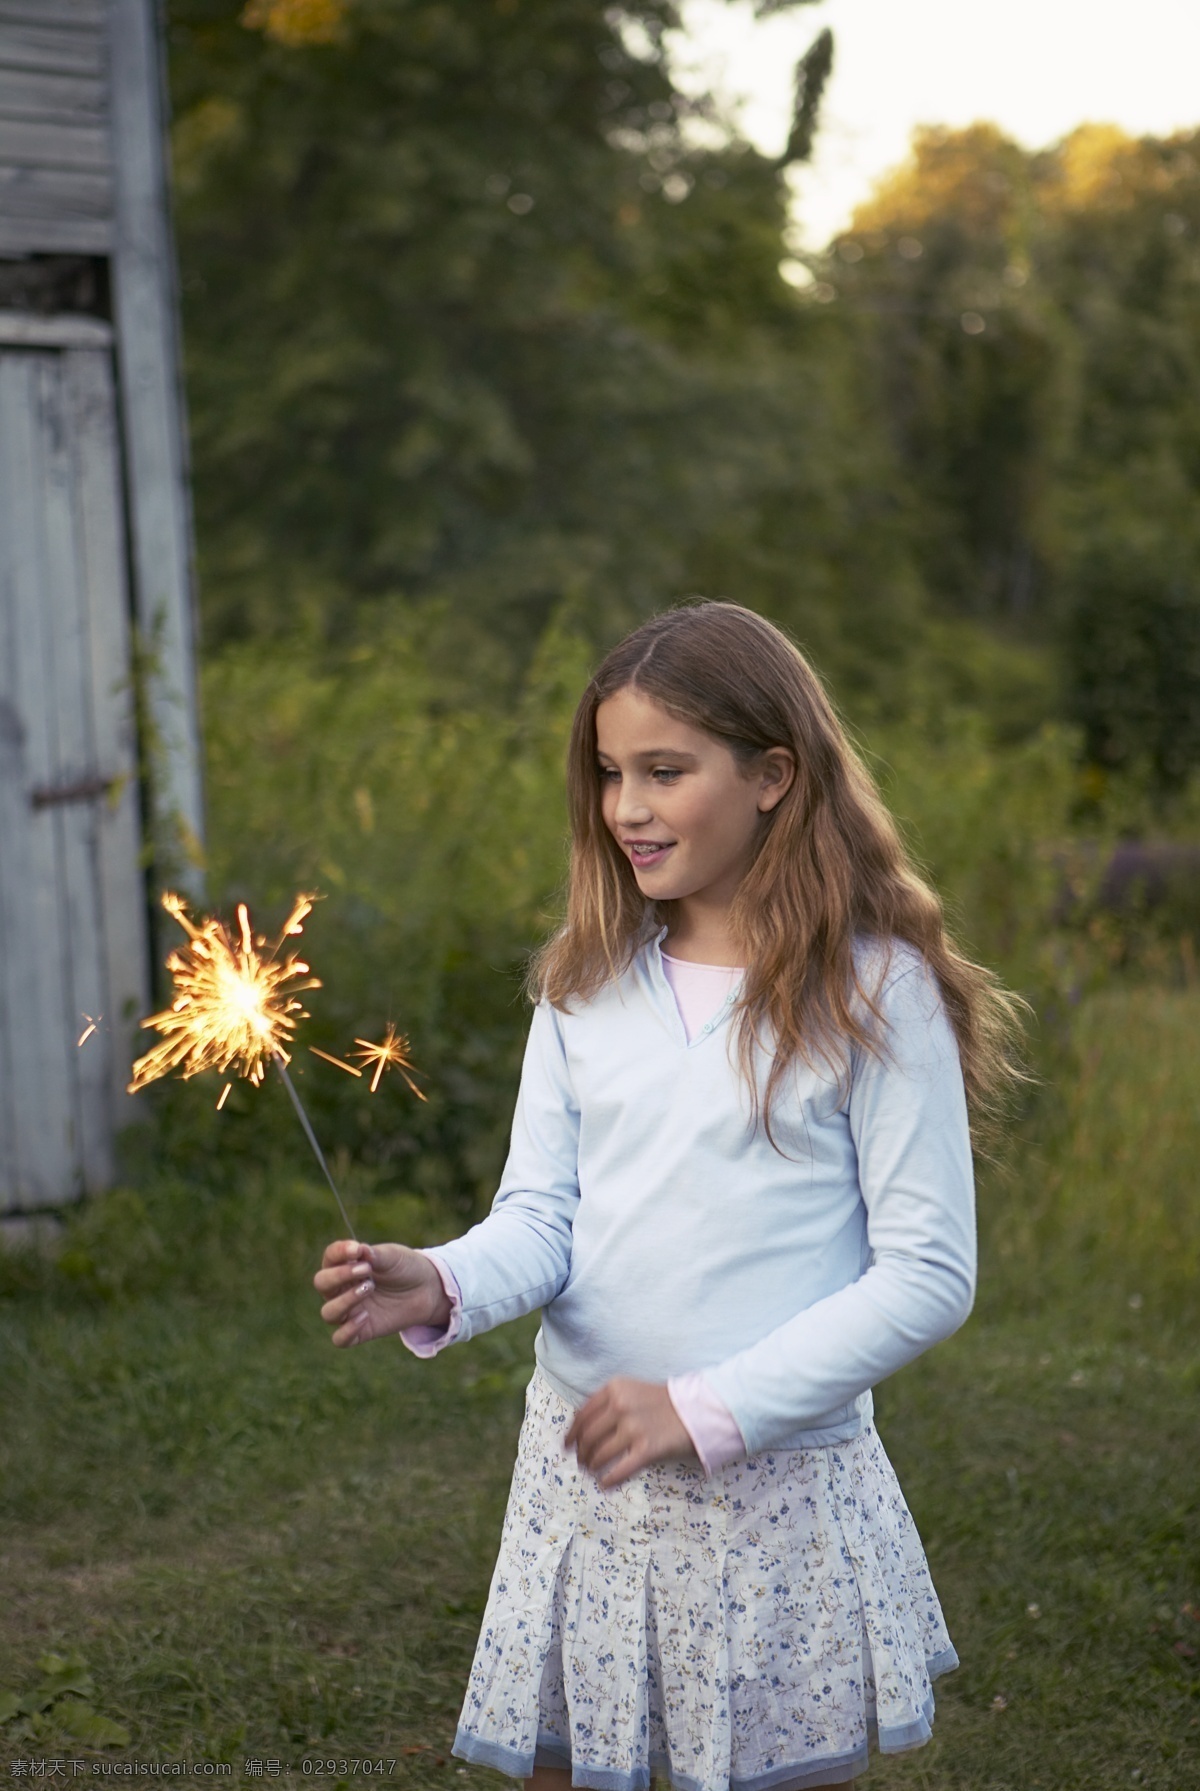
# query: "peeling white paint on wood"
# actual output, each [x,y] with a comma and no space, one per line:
[53,143]
[72,911]
[72,13]
[56,186]
[28,329]
[114,736]
[92,458]
[52,47]
[152,406]
[78,99]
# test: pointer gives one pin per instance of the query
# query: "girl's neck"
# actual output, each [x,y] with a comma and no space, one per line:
[701,940]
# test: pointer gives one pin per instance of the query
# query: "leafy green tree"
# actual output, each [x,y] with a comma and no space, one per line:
[469,314]
[1034,323]
[968,360]
[1126,261]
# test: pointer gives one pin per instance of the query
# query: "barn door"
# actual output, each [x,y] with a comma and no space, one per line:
[73,947]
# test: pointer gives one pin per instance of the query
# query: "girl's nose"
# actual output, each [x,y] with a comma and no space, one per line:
[632,810]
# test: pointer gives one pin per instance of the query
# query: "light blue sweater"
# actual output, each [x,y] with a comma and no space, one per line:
[660,1236]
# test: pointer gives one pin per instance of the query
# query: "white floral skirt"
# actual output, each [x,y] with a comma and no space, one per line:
[751,1632]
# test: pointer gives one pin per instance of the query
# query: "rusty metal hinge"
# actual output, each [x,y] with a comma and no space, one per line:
[84,789]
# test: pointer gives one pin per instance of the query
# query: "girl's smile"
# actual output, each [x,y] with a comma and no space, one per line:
[686,812]
[644,855]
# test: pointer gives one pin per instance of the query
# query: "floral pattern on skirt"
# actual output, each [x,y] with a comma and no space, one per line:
[749,1632]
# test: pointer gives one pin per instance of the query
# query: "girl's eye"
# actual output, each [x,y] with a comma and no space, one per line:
[668,772]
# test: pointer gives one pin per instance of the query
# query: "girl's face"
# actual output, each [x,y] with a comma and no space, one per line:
[684,811]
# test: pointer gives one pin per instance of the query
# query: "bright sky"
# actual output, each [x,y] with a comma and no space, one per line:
[1036,68]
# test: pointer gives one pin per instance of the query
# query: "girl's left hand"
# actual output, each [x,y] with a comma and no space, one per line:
[625,1427]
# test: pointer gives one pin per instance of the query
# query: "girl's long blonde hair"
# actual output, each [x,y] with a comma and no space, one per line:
[829,865]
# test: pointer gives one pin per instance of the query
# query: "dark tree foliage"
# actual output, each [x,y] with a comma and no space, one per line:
[1127,268]
[472,318]
[1133,639]
[468,315]
[1034,327]
[966,358]
[812,75]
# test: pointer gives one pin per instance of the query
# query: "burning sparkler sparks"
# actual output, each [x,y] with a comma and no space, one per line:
[88,1030]
[390,1054]
[235,1006]
[235,1000]
[335,1061]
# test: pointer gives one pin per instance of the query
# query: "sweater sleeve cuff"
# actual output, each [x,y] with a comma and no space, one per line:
[427,1340]
[707,1420]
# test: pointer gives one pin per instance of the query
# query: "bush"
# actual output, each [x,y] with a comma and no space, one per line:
[429,812]
[1105,1208]
[430,816]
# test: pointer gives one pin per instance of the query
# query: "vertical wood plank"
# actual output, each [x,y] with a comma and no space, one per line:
[37,994]
[121,885]
[72,898]
[152,421]
[72,730]
[12,778]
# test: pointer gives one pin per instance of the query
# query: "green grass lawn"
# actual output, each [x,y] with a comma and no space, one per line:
[256,1547]
[264,1548]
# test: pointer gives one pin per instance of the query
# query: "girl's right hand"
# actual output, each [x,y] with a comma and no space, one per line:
[374,1290]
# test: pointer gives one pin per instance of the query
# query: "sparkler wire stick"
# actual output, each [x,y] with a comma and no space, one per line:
[302,1116]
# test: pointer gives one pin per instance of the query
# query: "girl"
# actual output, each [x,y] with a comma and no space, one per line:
[708,1571]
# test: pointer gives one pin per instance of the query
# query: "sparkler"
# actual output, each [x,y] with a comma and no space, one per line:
[390,1054]
[335,1061]
[235,1007]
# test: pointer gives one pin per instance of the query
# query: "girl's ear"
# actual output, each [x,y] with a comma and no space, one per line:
[777,776]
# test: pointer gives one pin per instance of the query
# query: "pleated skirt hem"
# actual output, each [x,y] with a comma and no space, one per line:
[757,1631]
[549,1751]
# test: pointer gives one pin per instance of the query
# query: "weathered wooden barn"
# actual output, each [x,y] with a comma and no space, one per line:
[95,577]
